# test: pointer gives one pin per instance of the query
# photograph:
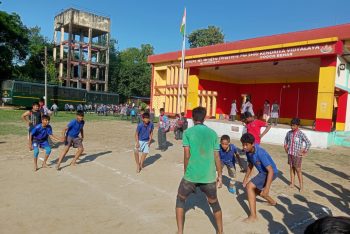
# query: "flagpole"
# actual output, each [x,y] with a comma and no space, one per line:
[179,98]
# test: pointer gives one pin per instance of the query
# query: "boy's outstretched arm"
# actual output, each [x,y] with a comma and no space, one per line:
[56,138]
[247,174]
[267,129]
[270,173]
[218,168]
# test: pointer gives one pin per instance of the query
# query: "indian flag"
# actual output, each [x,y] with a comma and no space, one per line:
[183,24]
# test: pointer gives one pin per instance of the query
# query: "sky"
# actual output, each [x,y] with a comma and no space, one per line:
[157,22]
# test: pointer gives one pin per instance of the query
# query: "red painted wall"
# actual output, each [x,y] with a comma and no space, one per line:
[259,92]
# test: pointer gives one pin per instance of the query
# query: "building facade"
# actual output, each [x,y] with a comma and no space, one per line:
[306,73]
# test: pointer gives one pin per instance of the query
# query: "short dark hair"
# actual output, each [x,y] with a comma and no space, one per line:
[225,138]
[80,113]
[247,115]
[45,117]
[42,100]
[145,115]
[35,104]
[329,224]
[295,121]
[182,113]
[198,114]
[248,138]
[161,109]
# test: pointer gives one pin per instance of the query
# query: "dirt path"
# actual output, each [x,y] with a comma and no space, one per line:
[103,194]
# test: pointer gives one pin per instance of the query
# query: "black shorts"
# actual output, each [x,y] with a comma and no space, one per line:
[187,187]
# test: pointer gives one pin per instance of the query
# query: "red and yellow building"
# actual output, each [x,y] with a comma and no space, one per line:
[306,72]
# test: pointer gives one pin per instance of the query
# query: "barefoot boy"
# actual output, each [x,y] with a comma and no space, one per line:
[201,162]
[296,145]
[38,138]
[254,127]
[228,154]
[71,133]
[261,183]
[32,117]
[143,138]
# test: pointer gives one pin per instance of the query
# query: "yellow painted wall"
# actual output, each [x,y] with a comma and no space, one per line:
[325,96]
[192,96]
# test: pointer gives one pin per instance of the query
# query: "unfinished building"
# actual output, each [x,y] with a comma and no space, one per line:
[83,49]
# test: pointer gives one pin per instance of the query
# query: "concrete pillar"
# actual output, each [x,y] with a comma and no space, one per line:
[97,87]
[88,72]
[192,91]
[69,55]
[341,112]
[98,68]
[61,54]
[325,95]
[54,44]
[107,62]
[80,66]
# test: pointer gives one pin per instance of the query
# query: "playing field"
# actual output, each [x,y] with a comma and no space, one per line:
[103,194]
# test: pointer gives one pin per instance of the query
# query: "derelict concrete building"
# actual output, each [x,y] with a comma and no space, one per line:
[82,41]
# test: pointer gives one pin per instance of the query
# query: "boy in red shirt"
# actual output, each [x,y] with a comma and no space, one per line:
[254,127]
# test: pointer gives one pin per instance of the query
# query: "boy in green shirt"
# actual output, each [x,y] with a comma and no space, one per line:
[201,162]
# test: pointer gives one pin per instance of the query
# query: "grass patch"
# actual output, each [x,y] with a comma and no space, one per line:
[12,129]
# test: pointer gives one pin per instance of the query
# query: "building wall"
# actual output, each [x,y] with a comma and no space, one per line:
[259,92]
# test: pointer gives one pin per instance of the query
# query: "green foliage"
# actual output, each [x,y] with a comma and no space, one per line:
[132,73]
[13,43]
[205,37]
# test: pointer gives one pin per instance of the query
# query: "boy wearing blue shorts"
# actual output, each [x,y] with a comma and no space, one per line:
[143,138]
[228,154]
[71,134]
[261,183]
[38,138]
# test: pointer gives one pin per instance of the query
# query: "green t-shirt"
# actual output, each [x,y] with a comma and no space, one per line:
[202,141]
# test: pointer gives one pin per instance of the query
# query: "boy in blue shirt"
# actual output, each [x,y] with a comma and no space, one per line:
[261,183]
[143,138]
[228,154]
[71,134]
[38,138]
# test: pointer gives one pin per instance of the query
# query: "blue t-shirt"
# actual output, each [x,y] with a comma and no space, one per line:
[228,156]
[40,134]
[261,159]
[144,131]
[74,128]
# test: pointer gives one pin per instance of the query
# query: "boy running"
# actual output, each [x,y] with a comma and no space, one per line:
[261,183]
[71,134]
[254,127]
[38,138]
[143,138]
[201,162]
[296,145]
[228,154]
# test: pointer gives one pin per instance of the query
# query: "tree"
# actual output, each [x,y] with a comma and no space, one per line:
[205,37]
[13,43]
[134,75]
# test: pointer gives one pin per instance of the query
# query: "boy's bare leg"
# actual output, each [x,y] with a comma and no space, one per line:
[77,155]
[65,151]
[180,213]
[143,157]
[137,157]
[252,192]
[292,176]
[269,200]
[218,218]
[300,178]
[35,164]
[45,160]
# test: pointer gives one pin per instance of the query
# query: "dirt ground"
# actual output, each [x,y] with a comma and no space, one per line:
[103,194]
